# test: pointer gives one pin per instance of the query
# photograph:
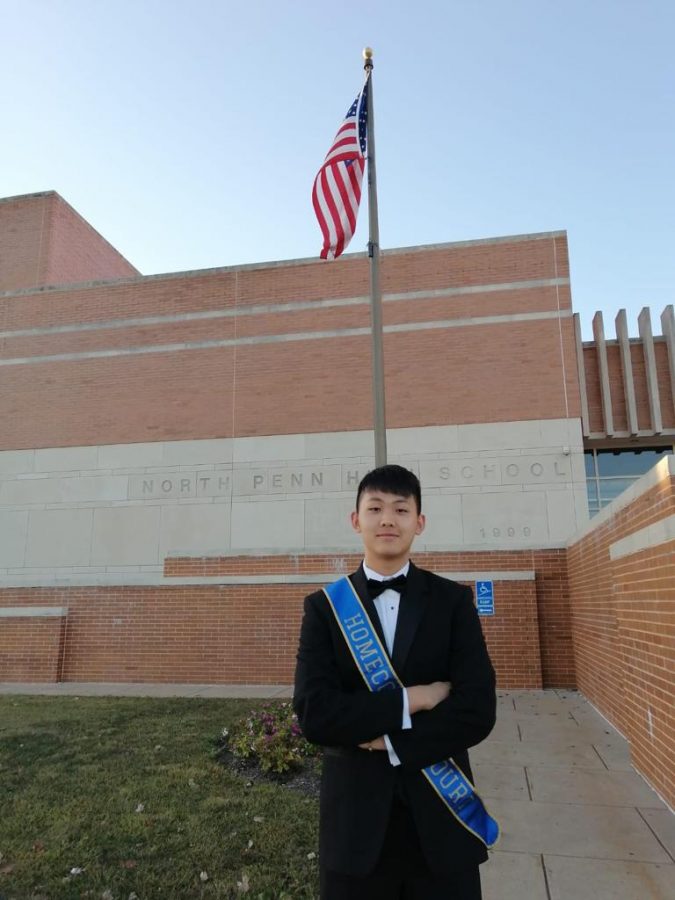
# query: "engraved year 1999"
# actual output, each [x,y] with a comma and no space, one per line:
[511,531]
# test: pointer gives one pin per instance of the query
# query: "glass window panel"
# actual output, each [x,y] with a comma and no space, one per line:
[629,462]
[612,487]
[589,459]
[592,491]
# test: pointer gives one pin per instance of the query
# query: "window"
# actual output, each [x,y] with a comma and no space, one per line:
[610,472]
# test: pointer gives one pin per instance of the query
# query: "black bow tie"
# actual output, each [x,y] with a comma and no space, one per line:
[375,588]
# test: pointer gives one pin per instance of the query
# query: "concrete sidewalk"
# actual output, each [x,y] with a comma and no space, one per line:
[578,823]
[124,689]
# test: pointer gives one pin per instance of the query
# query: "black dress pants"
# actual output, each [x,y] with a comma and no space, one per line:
[402,872]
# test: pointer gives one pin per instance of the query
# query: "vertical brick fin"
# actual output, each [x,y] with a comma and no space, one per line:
[605,391]
[668,329]
[581,370]
[645,329]
[627,371]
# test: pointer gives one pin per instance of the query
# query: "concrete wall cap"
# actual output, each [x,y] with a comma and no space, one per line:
[20,612]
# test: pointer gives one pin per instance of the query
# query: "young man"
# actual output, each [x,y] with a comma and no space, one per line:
[394,680]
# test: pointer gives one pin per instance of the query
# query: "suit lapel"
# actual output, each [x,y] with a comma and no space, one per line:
[414,602]
[358,579]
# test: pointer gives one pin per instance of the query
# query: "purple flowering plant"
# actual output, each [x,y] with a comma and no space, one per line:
[272,737]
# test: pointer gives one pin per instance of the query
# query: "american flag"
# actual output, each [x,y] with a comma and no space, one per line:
[337,188]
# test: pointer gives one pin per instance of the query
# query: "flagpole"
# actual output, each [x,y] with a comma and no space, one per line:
[380,427]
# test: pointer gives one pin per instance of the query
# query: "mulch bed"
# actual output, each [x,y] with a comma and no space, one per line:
[304,781]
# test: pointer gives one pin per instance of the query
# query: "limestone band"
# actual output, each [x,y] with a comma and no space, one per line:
[372,661]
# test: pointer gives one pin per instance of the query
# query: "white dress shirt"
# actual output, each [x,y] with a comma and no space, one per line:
[387,604]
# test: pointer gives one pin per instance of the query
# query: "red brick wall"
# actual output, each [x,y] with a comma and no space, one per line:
[644,588]
[619,408]
[623,626]
[22,242]
[43,241]
[191,634]
[637,356]
[77,252]
[555,626]
[665,389]
[592,372]
[305,385]
[31,648]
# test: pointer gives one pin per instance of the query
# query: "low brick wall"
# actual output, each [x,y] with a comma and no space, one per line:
[622,596]
[236,619]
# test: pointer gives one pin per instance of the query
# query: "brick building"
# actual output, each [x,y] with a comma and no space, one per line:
[179,452]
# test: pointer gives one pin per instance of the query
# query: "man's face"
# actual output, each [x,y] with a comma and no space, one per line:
[388,525]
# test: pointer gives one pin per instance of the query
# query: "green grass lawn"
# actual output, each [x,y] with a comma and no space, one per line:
[129,791]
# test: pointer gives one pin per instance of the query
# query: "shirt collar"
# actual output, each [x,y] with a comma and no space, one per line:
[376,576]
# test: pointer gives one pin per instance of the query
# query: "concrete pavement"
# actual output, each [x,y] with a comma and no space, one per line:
[578,823]
[131,689]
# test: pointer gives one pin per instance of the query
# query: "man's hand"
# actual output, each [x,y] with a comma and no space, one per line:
[377,744]
[427,696]
[421,696]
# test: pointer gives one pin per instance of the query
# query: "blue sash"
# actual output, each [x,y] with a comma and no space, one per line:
[372,661]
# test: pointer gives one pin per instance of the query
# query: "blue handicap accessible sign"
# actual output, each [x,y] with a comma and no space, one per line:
[485,598]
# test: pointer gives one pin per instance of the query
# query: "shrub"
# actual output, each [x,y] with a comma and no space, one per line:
[272,737]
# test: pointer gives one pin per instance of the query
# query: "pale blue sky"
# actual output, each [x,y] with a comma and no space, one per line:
[189,134]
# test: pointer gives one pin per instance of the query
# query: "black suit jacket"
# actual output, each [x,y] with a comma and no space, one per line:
[438,638]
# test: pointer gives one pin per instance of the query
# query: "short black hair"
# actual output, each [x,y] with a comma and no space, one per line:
[392,480]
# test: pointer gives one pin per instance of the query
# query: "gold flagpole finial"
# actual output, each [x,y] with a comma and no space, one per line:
[368,57]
